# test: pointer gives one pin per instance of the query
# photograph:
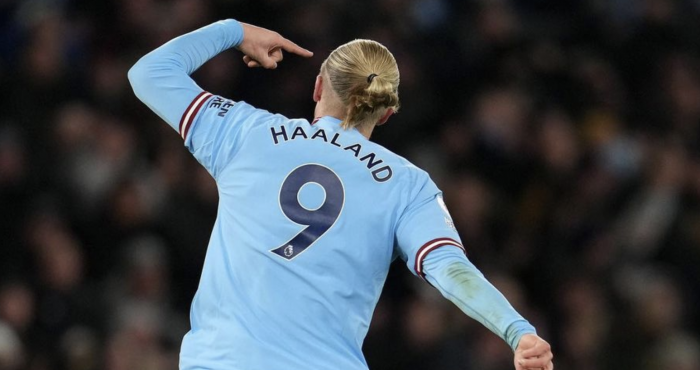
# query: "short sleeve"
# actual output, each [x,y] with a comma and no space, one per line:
[214,128]
[425,225]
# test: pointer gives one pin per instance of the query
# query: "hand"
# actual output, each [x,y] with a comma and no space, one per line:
[263,48]
[533,353]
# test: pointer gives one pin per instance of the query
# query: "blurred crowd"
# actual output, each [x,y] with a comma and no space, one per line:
[565,135]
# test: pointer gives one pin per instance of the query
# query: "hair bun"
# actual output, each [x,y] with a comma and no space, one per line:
[365,100]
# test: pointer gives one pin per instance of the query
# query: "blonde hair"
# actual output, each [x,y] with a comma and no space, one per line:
[365,76]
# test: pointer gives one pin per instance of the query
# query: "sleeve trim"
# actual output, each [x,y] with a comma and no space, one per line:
[191,113]
[431,246]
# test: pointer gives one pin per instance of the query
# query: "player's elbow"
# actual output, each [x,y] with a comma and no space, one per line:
[138,78]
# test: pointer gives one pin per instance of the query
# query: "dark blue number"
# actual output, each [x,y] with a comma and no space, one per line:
[317,221]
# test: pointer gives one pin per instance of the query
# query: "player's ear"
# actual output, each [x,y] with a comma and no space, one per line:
[318,88]
[385,117]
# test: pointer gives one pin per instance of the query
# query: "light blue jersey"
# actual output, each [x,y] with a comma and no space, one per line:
[310,217]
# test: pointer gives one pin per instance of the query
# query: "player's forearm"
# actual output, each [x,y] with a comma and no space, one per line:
[189,51]
[463,284]
[161,78]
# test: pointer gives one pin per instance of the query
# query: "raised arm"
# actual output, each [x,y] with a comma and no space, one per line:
[161,78]
[212,127]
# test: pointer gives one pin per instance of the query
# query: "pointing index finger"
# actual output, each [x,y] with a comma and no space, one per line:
[291,47]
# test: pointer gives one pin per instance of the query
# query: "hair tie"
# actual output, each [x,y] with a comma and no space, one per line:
[371,77]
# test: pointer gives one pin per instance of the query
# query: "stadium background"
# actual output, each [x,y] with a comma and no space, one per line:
[563,133]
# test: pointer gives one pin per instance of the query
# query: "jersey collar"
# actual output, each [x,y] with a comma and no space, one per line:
[326,121]
[332,123]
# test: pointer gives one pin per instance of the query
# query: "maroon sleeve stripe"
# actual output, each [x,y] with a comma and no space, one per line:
[431,246]
[191,113]
[189,107]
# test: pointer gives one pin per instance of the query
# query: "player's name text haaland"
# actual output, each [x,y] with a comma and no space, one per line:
[379,173]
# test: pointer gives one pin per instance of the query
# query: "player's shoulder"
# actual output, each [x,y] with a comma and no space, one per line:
[263,119]
[405,172]
[250,119]
[246,111]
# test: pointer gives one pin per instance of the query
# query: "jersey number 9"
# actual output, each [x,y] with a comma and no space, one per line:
[317,221]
